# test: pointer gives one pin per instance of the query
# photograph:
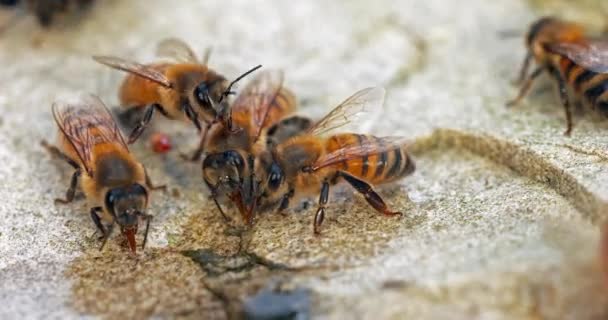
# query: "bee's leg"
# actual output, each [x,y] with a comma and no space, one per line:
[74,181]
[219,207]
[524,68]
[525,88]
[139,128]
[148,218]
[69,194]
[151,185]
[201,146]
[563,94]
[192,116]
[106,236]
[320,215]
[213,191]
[368,192]
[97,220]
[57,153]
[285,201]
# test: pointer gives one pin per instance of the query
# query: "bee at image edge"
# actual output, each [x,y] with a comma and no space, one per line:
[46,11]
[112,180]
[184,89]
[310,163]
[573,60]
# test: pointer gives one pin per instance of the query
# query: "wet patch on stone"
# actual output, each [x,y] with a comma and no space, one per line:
[158,282]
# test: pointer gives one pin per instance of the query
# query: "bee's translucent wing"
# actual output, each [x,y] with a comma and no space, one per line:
[368,147]
[591,55]
[259,100]
[135,68]
[86,122]
[176,49]
[362,101]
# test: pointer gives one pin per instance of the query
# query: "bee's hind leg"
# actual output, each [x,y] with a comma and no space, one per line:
[371,196]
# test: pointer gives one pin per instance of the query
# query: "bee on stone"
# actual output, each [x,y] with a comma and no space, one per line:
[576,62]
[47,11]
[183,89]
[311,162]
[111,178]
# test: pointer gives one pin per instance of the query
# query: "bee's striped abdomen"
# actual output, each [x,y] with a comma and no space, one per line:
[381,166]
[589,85]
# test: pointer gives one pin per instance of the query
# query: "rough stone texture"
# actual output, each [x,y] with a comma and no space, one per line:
[501,215]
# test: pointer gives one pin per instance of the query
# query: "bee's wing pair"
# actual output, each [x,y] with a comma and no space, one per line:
[87,122]
[369,99]
[591,54]
[173,48]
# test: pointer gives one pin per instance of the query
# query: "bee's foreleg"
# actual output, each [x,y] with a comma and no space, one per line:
[97,221]
[524,68]
[525,88]
[201,146]
[285,201]
[192,116]
[141,126]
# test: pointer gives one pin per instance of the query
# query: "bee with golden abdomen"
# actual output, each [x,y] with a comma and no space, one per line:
[47,10]
[113,181]
[260,112]
[186,89]
[573,60]
[310,163]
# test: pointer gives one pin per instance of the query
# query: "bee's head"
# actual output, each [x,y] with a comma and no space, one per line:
[211,94]
[207,97]
[549,30]
[223,171]
[127,205]
[537,29]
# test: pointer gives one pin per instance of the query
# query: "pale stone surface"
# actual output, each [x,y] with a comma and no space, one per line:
[501,215]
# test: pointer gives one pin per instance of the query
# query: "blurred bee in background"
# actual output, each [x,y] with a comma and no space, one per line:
[185,89]
[574,61]
[47,11]
[113,181]
[311,162]
[261,112]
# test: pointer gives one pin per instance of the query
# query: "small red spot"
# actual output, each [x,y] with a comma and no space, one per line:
[160,142]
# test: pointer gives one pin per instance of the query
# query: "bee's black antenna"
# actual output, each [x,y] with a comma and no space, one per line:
[228,92]
[148,218]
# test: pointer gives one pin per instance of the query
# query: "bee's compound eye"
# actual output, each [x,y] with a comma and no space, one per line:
[201,93]
[275,177]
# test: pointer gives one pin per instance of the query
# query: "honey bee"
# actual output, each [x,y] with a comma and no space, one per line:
[573,60]
[185,89]
[47,10]
[311,162]
[113,181]
[260,112]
